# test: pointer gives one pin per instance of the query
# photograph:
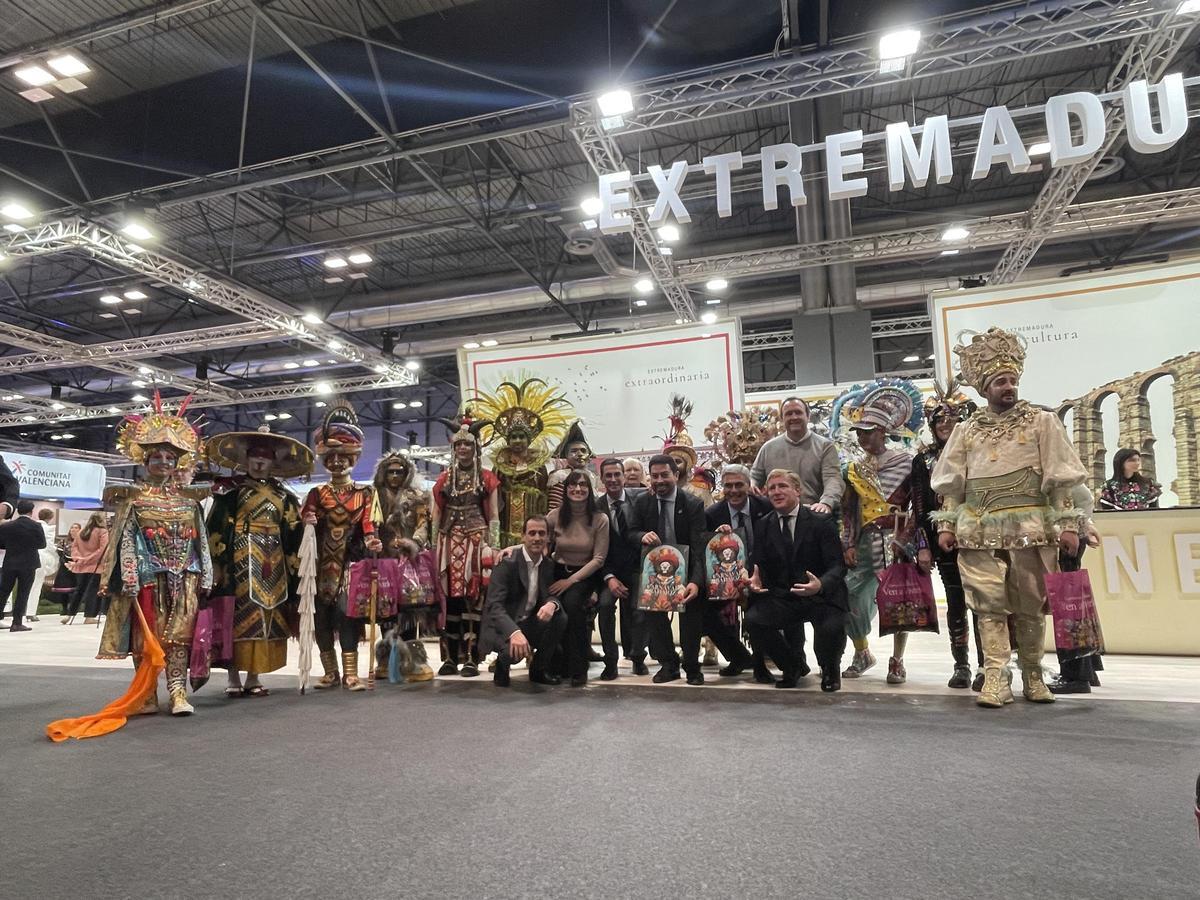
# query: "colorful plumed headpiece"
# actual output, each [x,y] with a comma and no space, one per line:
[464,429]
[988,354]
[677,440]
[948,403]
[738,435]
[725,542]
[664,553]
[339,431]
[158,427]
[531,409]
[893,404]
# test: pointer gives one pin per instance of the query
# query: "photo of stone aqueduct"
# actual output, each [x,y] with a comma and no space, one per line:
[1133,414]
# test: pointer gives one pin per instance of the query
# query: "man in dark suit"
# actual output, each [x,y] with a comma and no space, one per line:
[520,619]
[799,575]
[10,491]
[668,515]
[740,510]
[620,574]
[21,540]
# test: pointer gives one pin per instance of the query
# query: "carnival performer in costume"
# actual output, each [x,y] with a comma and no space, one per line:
[876,525]
[519,422]
[340,510]
[403,516]
[1007,475]
[156,570]
[467,498]
[943,412]
[577,456]
[678,444]
[254,534]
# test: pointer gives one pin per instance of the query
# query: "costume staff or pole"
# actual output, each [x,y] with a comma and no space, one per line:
[371,632]
[308,604]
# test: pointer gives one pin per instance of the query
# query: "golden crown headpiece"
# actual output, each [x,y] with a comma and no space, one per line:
[989,353]
[532,409]
[158,427]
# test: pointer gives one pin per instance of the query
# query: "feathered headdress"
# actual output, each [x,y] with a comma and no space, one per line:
[664,553]
[339,430]
[737,436]
[677,437]
[464,428]
[948,402]
[532,409]
[893,404]
[139,432]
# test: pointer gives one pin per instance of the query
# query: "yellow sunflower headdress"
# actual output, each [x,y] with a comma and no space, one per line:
[532,409]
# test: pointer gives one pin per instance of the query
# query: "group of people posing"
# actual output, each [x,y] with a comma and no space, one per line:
[526,557]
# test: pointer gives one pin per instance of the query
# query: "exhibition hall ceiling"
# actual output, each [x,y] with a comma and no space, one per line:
[435,149]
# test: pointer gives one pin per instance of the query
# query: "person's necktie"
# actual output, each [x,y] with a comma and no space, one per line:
[785,527]
[747,531]
[618,517]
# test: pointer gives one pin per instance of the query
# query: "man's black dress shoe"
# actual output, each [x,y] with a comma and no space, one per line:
[764,676]
[609,673]
[731,670]
[578,681]
[696,677]
[831,681]
[593,656]
[663,675]
[20,628]
[501,677]
[640,667]
[1062,686]
[544,678]
[788,680]
[448,668]
[803,669]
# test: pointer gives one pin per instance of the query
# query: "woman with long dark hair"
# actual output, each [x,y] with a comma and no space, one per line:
[579,544]
[87,550]
[1129,488]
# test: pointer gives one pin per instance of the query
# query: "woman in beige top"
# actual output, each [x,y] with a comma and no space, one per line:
[579,544]
[87,549]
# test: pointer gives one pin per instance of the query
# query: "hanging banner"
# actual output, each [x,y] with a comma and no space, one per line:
[46,478]
[621,384]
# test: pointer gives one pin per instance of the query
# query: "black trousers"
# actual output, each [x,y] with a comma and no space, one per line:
[698,618]
[576,603]
[86,586]
[770,619]
[794,636]
[329,621]
[22,579]
[543,637]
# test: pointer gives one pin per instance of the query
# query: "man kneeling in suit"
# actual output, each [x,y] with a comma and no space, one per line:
[799,575]
[521,619]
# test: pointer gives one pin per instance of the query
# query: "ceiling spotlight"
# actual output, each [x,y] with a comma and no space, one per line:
[110,299]
[679,321]
[713,301]
[14,210]
[320,404]
[114,409]
[138,231]
[665,250]
[708,318]
[929,358]
[471,345]
[490,342]
[612,103]
[143,370]
[270,417]
[323,387]
[68,65]
[311,363]
[399,404]
[139,398]
[899,44]
[412,364]
[640,302]
[335,262]
[36,95]
[311,318]
[360,257]
[912,357]
[331,362]
[415,445]
[135,294]
[56,437]
[955,233]
[29,418]
[333,279]
[952,252]
[591,207]
[669,234]
[14,228]
[34,75]
[57,405]
[415,404]
[335,345]
[643,285]
[291,364]
[716,284]
[379,368]
[137,382]
[1041,148]
[1188,7]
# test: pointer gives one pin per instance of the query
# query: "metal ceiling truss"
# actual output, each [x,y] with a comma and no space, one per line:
[1148,56]
[1078,220]
[108,246]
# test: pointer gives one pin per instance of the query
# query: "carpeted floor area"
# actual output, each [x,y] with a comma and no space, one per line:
[460,790]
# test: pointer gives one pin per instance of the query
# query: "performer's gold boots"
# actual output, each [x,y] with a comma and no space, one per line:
[1030,634]
[177,663]
[330,678]
[350,679]
[416,664]
[993,635]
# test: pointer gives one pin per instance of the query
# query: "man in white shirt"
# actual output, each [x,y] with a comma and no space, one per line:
[521,620]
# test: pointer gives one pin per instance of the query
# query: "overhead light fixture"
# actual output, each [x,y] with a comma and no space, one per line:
[589,224]
[640,302]
[35,76]
[379,368]
[912,357]
[320,404]
[471,345]
[114,410]
[679,321]
[1041,148]
[144,370]
[415,445]
[68,65]
[708,318]
[36,95]
[133,312]
[490,342]
[285,415]
[135,294]
[643,285]
[361,257]
[331,362]
[951,252]
[399,404]
[311,318]
[716,284]
[290,364]
[334,279]
[357,275]
[955,233]
[335,345]
[56,437]
[311,363]
[69,85]
[669,233]
[110,299]
[323,387]
[29,418]
[616,102]
[270,417]
[139,398]
[14,228]
[591,207]
[713,301]
[1188,7]
[14,210]
[335,262]
[412,364]
[108,315]
[415,404]
[929,358]
[665,250]
[57,405]
[137,382]
[899,44]
[138,231]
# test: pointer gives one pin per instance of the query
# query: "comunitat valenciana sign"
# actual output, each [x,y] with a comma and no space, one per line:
[1155,118]
[44,478]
